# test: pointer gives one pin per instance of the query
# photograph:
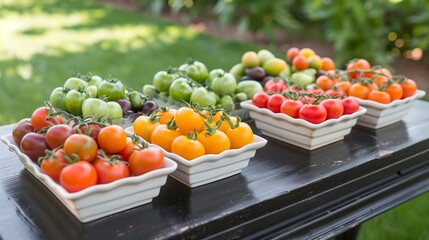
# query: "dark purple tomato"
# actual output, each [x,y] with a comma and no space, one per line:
[148,107]
[125,105]
[20,129]
[33,145]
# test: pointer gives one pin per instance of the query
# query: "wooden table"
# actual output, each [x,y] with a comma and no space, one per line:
[285,192]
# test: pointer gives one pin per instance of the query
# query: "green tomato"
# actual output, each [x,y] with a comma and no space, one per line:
[162,80]
[58,98]
[181,90]
[114,113]
[92,91]
[111,89]
[302,79]
[75,83]
[136,99]
[195,70]
[264,55]
[225,84]
[249,87]
[149,90]
[95,81]
[310,71]
[74,100]
[227,103]
[95,108]
[286,72]
[238,71]
[215,73]
[240,97]
[203,97]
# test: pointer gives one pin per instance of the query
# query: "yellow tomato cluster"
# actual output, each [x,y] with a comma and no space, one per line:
[191,133]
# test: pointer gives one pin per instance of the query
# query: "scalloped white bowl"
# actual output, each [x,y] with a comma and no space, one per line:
[212,167]
[379,115]
[299,132]
[104,199]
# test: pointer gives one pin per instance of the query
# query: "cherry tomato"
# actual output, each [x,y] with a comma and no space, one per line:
[334,108]
[33,145]
[90,129]
[359,90]
[292,53]
[379,96]
[274,102]
[240,135]
[112,139]
[129,148]
[343,85]
[350,104]
[313,113]
[358,65]
[395,91]
[164,135]
[78,176]
[146,160]
[39,119]
[110,170]
[324,82]
[57,135]
[291,107]
[53,164]
[188,120]
[335,92]
[225,125]
[82,145]
[260,99]
[165,114]
[409,88]
[20,129]
[143,126]
[275,85]
[300,63]
[187,147]
[214,141]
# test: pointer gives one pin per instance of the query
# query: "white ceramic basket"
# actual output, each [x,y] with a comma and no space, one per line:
[299,132]
[379,115]
[213,167]
[105,199]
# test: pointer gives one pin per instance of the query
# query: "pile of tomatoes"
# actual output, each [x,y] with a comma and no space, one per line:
[311,105]
[78,155]
[365,82]
[192,132]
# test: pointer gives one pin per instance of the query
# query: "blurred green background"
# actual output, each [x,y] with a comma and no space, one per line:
[43,42]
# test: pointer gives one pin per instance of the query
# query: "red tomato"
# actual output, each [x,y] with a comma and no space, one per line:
[334,108]
[260,99]
[291,107]
[82,145]
[112,139]
[78,176]
[275,85]
[90,129]
[38,119]
[129,148]
[313,113]
[109,171]
[146,160]
[274,102]
[53,164]
[335,92]
[350,104]
[21,128]
[57,135]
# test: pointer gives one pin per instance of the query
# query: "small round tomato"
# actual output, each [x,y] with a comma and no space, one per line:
[112,139]
[163,135]
[214,141]
[350,104]
[53,164]
[146,160]
[327,64]
[292,53]
[225,125]
[129,148]
[274,102]
[20,129]
[313,113]
[379,96]
[39,119]
[324,82]
[165,114]
[90,129]
[240,135]
[275,85]
[334,108]
[82,145]
[109,170]
[395,91]
[33,145]
[57,135]
[143,126]
[291,107]
[187,147]
[343,85]
[188,120]
[260,99]
[356,67]
[300,63]
[409,88]
[78,176]
[359,90]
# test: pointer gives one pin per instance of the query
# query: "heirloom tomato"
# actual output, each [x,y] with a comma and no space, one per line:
[195,70]
[163,79]
[53,163]
[81,145]
[111,89]
[74,101]
[33,145]
[181,90]
[21,128]
[57,135]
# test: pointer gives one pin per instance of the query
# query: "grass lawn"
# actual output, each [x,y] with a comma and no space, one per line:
[43,42]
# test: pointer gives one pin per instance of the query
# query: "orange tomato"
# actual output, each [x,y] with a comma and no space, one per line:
[225,125]
[409,88]
[240,135]
[358,65]
[165,114]
[359,90]
[327,64]
[143,126]
[300,63]
[112,139]
[324,82]
[163,136]
[187,147]
[188,120]
[383,78]
[395,91]
[292,53]
[214,141]
[343,85]
[379,96]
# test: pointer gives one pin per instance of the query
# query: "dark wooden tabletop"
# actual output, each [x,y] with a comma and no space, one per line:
[285,192]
